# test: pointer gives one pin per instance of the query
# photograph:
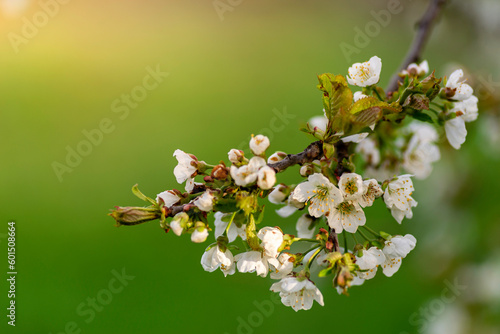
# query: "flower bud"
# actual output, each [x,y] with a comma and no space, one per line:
[279,194]
[266,178]
[179,223]
[307,170]
[200,233]
[236,156]
[131,215]
[276,157]
[259,144]
[220,172]
[205,202]
[344,278]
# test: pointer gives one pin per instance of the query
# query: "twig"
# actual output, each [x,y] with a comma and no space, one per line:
[424,28]
[312,152]
[333,238]
[342,150]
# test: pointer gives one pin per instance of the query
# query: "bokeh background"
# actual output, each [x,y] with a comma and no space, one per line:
[229,74]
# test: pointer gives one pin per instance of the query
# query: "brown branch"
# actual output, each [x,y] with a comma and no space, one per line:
[424,29]
[333,240]
[312,152]
[342,150]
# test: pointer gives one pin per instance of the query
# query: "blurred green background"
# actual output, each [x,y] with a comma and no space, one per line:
[226,76]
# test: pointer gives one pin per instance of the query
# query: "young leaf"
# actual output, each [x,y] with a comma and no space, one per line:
[336,93]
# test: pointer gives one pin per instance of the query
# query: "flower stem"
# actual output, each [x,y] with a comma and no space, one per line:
[354,237]
[344,234]
[305,239]
[229,224]
[311,259]
[371,231]
[378,95]
[363,235]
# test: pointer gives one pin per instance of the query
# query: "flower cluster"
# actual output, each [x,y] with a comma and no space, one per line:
[365,142]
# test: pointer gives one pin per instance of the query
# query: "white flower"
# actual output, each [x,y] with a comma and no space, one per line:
[272,238]
[259,144]
[189,185]
[291,206]
[278,195]
[276,157]
[395,249]
[455,132]
[399,246]
[466,111]
[266,177]
[176,227]
[423,132]
[178,223]
[186,166]
[373,191]
[199,236]
[252,261]
[305,227]
[369,151]
[358,96]
[418,69]
[247,174]
[319,122]
[232,232]
[347,216]
[462,90]
[205,202]
[215,258]
[322,259]
[351,186]
[298,293]
[236,156]
[397,197]
[284,266]
[321,194]
[371,259]
[421,152]
[365,74]
[168,197]
[468,108]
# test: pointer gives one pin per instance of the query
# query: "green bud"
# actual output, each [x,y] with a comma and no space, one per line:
[132,215]
[386,236]
[182,218]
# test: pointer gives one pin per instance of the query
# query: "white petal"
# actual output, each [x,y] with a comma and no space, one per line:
[455,132]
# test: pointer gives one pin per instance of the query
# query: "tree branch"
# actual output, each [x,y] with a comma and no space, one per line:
[333,239]
[312,152]
[424,29]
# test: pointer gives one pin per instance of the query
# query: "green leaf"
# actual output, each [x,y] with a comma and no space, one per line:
[260,215]
[252,239]
[417,101]
[336,93]
[422,117]
[431,86]
[366,103]
[226,205]
[369,102]
[362,120]
[139,194]
[328,150]
[326,272]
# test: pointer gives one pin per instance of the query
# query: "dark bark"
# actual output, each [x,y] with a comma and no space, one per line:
[312,152]
[424,29]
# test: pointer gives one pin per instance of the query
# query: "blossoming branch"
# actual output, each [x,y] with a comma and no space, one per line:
[368,144]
